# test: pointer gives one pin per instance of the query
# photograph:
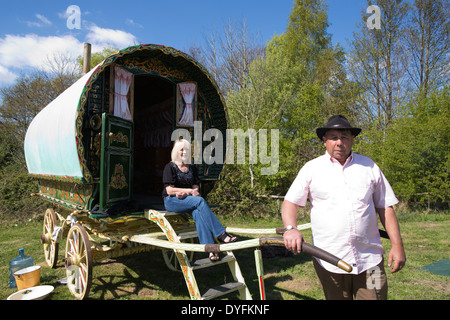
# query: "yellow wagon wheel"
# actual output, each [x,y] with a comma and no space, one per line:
[51,246]
[78,262]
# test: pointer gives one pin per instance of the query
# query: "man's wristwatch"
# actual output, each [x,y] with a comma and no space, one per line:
[289,227]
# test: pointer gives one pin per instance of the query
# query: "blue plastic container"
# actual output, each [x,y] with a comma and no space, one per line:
[20,262]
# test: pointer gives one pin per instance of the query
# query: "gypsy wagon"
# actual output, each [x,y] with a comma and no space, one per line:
[98,151]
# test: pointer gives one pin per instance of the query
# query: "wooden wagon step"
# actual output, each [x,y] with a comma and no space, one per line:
[237,285]
[222,290]
[206,262]
[188,267]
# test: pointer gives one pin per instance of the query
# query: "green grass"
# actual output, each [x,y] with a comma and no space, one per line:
[146,277]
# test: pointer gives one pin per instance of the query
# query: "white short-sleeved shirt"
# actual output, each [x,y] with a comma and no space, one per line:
[343,201]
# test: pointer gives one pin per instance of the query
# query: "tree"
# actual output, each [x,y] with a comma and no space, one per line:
[228,55]
[96,57]
[428,43]
[402,70]
[307,40]
[257,106]
[378,62]
[413,154]
[293,87]
[63,66]
[22,101]
[314,74]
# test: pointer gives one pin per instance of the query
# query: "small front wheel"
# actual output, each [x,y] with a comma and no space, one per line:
[51,246]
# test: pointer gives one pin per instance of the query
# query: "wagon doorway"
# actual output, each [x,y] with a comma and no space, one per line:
[154,100]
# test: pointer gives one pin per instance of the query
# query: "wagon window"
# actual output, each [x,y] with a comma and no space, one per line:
[123,81]
[186,103]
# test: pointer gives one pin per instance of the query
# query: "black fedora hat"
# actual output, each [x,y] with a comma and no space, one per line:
[337,122]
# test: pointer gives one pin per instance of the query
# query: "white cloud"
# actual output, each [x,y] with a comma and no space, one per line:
[103,37]
[6,76]
[43,21]
[32,50]
[131,22]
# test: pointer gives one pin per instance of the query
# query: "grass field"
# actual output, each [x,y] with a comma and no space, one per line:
[146,277]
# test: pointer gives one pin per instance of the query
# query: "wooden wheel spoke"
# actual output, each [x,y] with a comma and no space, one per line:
[75,243]
[52,250]
[72,251]
[48,225]
[81,248]
[83,274]
[83,256]
[84,267]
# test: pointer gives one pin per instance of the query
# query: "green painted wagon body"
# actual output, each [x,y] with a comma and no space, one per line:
[83,154]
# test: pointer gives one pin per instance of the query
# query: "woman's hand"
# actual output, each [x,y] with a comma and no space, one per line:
[186,192]
[181,194]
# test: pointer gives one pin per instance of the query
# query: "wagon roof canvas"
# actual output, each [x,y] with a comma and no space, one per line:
[54,141]
[50,142]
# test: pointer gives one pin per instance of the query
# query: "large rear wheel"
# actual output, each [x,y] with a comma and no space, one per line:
[78,261]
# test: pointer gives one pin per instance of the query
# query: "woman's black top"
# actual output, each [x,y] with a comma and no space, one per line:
[173,176]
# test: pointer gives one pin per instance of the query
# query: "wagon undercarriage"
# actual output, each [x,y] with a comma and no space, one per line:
[172,233]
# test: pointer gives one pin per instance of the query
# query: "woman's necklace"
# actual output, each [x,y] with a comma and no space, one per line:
[183,168]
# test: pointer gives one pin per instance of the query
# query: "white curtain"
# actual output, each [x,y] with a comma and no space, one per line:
[188,92]
[122,82]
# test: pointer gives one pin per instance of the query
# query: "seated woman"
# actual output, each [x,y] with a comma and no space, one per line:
[181,194]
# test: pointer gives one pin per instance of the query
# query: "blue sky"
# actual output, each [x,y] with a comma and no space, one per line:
[32,31]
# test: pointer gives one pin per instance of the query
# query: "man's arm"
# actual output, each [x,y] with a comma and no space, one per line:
[292,238]
[390,223]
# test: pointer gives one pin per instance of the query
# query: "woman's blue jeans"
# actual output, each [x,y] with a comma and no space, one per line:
[206,221]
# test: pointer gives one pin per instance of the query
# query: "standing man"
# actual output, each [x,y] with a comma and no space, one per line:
[346,191]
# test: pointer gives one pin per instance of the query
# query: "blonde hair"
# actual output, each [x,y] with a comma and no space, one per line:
[178,145]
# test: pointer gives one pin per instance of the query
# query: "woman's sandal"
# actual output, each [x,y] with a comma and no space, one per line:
[214,256]
[226,236]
